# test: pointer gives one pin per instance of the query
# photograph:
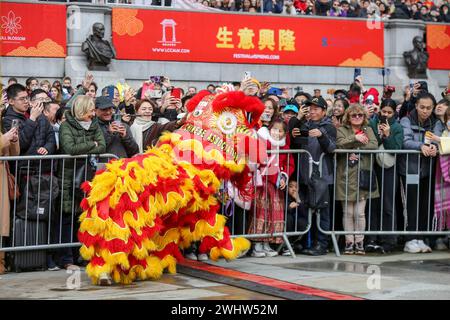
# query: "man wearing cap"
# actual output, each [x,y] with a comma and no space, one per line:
[118,137]
[314,132]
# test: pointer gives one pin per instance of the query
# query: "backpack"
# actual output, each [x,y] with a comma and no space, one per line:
[38,197]
[318,193]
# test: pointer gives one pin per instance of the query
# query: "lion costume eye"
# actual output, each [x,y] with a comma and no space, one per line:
[227,122]
[197,113]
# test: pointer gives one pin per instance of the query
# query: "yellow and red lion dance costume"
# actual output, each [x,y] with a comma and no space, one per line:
[139,212]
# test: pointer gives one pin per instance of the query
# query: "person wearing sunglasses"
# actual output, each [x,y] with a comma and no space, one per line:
[354,134]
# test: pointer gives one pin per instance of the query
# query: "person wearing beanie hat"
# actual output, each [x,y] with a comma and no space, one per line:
[371,102]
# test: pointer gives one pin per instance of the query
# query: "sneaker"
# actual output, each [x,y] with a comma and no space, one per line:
[268,250]
[317,250]
[349,248]
[359,248]
[54,268]
[423,247]
[258,251]
[104,279]
[372,246]
[71,267]
[190,256]
[286,252]
[412,247]
[202,257]
[440,244]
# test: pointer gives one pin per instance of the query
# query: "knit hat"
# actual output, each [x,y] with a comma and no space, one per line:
[372,94]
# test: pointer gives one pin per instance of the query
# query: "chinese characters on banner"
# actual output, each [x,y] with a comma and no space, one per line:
[32,30]
[140,34]
[438,46]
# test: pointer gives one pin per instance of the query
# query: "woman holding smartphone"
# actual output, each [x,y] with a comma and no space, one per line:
[389,134]
[354,134]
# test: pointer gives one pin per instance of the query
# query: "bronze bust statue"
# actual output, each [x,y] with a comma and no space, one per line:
[99,52]
[417,59]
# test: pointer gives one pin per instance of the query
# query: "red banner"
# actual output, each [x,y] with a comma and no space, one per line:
[212,37]
[32,30]
[438,46]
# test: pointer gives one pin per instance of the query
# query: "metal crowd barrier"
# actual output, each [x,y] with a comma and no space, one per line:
[242,223]
[37,212]
[405,206]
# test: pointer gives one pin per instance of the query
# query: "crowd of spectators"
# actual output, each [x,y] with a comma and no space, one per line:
[437,11]
[426,10]
[43,118]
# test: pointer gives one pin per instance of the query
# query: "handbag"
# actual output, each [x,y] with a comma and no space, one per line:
[13,189]
[385,160]
[85,172]
[318,192]
[367,181]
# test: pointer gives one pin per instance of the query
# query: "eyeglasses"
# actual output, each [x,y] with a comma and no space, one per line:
[42,100]
[23,99]
[357,115]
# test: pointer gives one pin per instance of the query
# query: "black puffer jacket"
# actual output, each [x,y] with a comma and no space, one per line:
[315,146]
[32,134]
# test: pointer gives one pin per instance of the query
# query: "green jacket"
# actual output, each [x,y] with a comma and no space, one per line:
[395,139]
[75,140]
[347,176]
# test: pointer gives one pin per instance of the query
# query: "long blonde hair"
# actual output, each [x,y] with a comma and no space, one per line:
[81,106]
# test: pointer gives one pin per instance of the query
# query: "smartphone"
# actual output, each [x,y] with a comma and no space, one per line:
[275,91]
[265,117]
[282,102]
[155,94]
[111,92]
[15,123]
[304,133]
[156,79]
[356,73]
[146,87]
[247,75]
[117,118]
[383,119]
[176,93]
[411,85]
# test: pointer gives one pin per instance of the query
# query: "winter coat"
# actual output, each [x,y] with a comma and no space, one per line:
[152,134]
[122,147]
[395,139]
[12,150]
[279,162]
[75,140]
[414,134]
[32,136]
[347,177]
[315,146]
